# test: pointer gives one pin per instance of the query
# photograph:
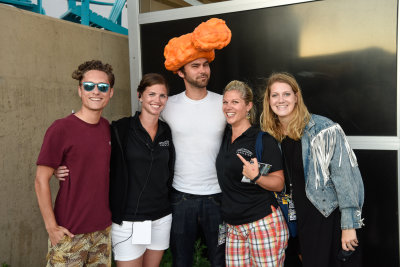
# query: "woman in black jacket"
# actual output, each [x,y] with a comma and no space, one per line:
[142,162]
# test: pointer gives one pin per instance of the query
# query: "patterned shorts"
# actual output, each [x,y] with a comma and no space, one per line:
[92,249]
[259,243]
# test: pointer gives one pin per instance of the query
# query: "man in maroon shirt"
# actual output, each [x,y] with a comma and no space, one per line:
[79,225]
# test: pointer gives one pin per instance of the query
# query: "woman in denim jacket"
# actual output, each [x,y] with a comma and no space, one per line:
[325,181]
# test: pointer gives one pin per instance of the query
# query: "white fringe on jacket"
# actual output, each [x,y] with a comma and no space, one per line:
[322,149]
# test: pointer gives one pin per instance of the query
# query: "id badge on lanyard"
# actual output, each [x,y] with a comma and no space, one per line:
[291,209]
[221,234]
[141,233]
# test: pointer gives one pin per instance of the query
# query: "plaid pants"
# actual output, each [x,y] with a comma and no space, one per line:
[259,243]
[92,249]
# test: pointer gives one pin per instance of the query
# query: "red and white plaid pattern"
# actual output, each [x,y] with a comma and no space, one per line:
[260,243]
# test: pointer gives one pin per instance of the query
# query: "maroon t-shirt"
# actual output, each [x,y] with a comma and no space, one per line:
[82,204]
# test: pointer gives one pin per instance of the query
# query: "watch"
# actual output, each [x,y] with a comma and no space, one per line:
[255,178]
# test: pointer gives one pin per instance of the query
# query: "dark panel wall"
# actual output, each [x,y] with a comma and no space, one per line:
[380,211]
[346,69]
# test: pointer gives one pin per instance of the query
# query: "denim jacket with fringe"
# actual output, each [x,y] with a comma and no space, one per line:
[331,171]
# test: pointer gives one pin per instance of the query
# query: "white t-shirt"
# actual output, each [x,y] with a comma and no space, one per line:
[197,127]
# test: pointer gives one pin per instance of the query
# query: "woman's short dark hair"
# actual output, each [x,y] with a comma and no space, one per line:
[150,79]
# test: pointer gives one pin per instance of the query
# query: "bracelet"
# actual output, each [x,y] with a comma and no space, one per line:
[256,178]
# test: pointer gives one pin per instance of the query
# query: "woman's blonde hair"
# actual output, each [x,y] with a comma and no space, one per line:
[246,94]
[269,120]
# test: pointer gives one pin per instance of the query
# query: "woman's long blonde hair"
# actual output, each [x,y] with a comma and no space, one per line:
[269,120]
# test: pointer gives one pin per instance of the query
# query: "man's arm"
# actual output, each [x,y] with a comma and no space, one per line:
[43,193]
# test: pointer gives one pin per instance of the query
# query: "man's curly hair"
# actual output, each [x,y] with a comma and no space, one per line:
[94,65]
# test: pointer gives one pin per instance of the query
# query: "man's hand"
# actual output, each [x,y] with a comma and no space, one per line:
[61,172]
[57,233]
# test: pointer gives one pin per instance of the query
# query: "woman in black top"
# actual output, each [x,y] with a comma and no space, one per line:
[256,230]
[327,187]
[142,161]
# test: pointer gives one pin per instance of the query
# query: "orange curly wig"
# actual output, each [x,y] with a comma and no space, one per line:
[208,36]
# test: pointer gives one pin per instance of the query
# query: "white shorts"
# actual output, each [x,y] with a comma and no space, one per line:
[121,238]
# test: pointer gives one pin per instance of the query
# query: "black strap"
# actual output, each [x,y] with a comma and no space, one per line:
[289,174]
[254,180]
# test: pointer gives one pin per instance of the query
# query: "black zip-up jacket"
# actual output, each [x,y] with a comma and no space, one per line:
[153,202]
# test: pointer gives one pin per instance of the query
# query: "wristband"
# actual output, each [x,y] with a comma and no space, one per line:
[256,178]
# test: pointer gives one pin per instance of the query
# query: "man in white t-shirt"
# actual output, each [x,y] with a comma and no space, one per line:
[197,123]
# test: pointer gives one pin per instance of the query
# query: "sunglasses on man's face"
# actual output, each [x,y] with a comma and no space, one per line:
[89,86]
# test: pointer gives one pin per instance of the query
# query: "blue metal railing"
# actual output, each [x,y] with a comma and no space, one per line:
[26,4]
[82,13]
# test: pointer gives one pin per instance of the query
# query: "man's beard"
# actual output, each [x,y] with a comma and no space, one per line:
[199,83]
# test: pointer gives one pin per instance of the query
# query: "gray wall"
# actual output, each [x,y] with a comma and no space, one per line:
[37,57]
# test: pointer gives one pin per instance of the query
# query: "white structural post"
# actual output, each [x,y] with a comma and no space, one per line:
[135,52]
